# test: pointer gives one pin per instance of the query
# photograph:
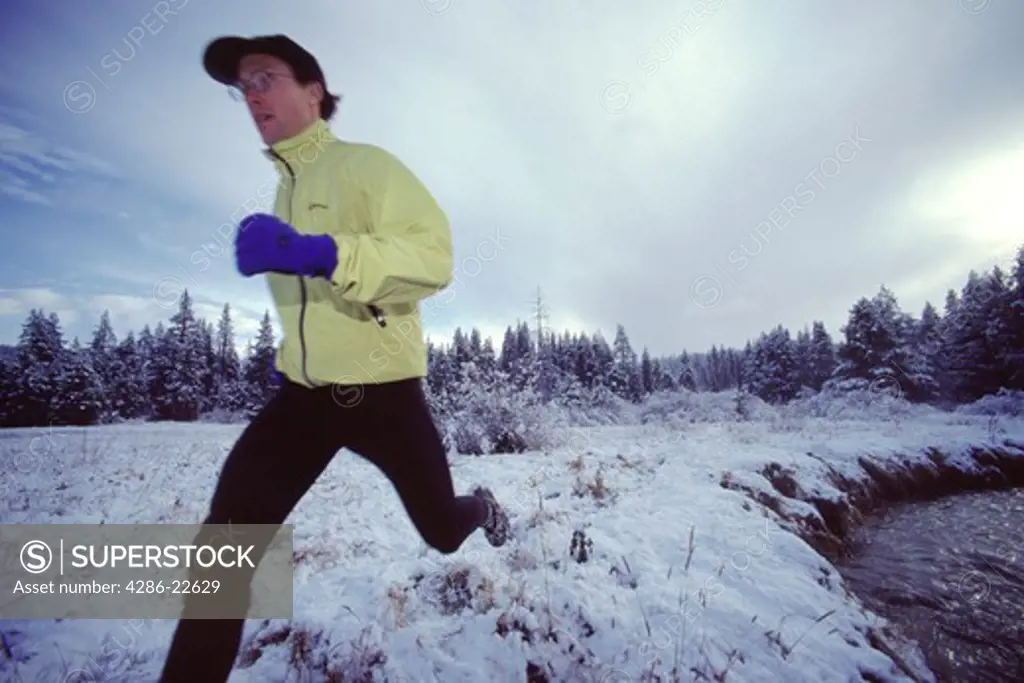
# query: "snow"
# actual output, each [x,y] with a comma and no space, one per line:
[643,600]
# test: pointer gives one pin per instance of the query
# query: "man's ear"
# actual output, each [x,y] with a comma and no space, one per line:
[318,93]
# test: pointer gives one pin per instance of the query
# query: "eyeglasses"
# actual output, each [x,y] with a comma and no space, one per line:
[258,81]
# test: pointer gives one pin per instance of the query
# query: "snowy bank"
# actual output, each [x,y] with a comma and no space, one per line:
[694,544]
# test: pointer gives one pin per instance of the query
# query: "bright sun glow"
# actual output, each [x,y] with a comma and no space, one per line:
[986,198]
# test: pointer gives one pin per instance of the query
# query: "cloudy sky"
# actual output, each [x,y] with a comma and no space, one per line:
[697,171]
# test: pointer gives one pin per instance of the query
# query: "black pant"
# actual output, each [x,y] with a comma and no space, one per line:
[278,458]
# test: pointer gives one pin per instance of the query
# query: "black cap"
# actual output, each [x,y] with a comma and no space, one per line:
[222,56]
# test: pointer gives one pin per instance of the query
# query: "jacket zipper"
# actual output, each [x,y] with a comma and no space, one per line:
[302,280]
[377,314]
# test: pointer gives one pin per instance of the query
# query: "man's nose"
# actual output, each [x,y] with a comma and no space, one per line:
[253,98]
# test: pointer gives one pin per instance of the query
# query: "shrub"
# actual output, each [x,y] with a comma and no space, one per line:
[484,414]
[1007,402]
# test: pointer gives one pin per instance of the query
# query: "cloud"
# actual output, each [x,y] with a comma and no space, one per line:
[17,188]
[19,302]
[31,166]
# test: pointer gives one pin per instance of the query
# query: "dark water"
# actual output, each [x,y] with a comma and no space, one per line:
[950,574]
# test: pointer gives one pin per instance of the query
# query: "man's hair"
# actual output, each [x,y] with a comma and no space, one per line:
[329,102]
[328,106]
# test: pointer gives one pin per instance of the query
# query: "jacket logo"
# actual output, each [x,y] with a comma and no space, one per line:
[314,205]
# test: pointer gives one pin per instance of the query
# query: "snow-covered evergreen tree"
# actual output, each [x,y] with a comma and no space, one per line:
[1015,325]
[487,360]
[157,363]
[180,366]
[524,370]
[207,366]
[130,389]
[927,344]
[625,379]
[146,346]
[977,338]
[662,380]
[229,390]
[879,348]
[437,368]
[687,378]
[81,399]
[586,366]
[461,351]
[772,370]
[104,341]
[39,350]
[259,366]
[548,379]
[604,361]
[9,379]
[821,361]
[646,373]
[802,354]
[508,358]
[999,329]
[718,369]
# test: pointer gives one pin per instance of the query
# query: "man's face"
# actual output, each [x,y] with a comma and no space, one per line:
[279,105]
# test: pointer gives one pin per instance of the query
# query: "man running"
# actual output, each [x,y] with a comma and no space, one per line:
[354,244]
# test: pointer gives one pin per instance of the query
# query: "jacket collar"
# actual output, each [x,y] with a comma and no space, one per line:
[302,149]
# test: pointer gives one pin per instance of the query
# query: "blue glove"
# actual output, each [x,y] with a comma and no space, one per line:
[265,243]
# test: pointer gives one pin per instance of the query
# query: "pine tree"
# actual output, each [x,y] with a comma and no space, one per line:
[101,349]
[9,379]
[927,344]
[821,360]
[440,369]
[462,353]
[207,378]
[147,346]
[181,367]
[81,399]
[524,370]
[41,339]
[130,389]
[39,350]
[259,367]
[802,354]
[604,358]
[746,359]
[647,378]
[976,337]
[476,344]
[662,380]
[228,390]
[433,383]
[687,376]
[157,362]
[546,379]
[509,351]
[880,347]
[1014,312]
[488,359]
[999,329]
[772,371]
[625,378]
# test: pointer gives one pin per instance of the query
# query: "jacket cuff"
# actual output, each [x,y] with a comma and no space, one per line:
[339,257]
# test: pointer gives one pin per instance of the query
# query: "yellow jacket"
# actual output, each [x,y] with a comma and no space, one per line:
[394,249]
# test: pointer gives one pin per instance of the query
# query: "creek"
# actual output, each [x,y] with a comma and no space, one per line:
[949,574]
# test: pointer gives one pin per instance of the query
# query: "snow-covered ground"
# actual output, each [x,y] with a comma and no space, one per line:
[676,572]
